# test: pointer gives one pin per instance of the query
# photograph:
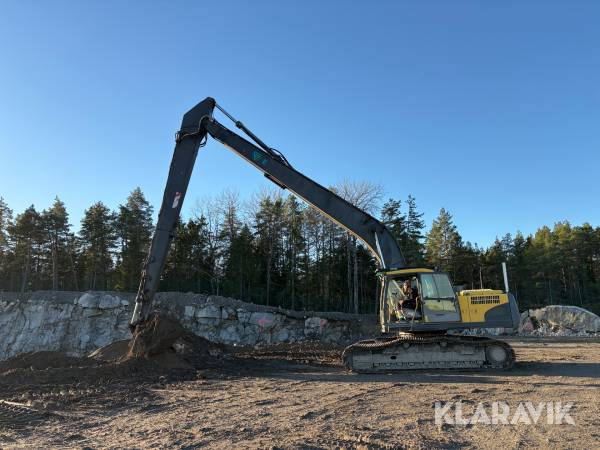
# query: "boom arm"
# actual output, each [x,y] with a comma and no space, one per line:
[196,124]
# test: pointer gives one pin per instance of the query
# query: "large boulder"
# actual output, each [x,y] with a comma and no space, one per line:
[108,301]
[209,312]
[265,320]
[89,300]
[561,319]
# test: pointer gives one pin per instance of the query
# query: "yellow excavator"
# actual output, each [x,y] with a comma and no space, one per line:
[418,306]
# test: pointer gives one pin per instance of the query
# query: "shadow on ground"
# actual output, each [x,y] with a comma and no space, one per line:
[301,372]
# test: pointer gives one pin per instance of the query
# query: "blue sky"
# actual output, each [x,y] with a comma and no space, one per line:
[489,109]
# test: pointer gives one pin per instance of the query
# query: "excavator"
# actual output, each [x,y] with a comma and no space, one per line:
[421,314]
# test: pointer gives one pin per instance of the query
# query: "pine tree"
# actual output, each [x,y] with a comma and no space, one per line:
[188,266]
[6,218]
[202,264]
[395,221]
[586,249]
[56,228]
[314,236]
[465,265]
[98,240]
[134,229]
[229,225]
[540,255]
[295,247]
[26,236]
[209,213]
[414,248]
[268,227]
[493,258]
[240,266]
[443,242]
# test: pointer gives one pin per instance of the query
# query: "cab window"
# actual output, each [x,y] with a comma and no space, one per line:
[428,286]
[443,285]
[436,285]
[393,292]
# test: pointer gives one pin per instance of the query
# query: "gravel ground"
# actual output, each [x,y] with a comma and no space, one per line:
[299,396]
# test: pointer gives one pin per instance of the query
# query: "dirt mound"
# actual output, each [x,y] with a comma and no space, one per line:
[42,361]
[162,340]
[155,335]
[199,352]
[160,347]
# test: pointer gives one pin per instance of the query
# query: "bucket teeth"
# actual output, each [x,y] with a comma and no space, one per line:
[421,351]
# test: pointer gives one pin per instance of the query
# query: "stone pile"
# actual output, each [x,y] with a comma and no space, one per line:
[553,320]
[559,320]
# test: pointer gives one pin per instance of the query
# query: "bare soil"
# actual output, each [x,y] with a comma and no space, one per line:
[285,396]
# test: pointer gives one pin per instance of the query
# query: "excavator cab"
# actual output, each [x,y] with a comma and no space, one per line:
[414,298]
[423,300]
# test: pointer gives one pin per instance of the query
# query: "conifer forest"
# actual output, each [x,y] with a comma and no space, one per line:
[273,249]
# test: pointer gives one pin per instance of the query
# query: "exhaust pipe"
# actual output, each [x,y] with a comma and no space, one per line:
[505,277]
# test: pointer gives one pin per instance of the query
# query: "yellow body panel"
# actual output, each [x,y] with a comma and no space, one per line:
[475,303]
[440,306]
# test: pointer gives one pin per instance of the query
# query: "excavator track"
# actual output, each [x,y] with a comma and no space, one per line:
[428,351]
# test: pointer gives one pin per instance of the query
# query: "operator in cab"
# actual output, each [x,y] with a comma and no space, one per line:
[408,301]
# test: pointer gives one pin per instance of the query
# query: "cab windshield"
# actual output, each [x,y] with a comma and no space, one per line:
[436,285]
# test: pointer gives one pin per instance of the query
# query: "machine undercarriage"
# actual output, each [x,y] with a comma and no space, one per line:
[412,351]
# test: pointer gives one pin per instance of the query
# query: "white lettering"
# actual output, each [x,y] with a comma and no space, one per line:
[561,413]
[458,416]
[480,416]
[500,417]
[535,412]
[526,413]
[521,416]
[441,413]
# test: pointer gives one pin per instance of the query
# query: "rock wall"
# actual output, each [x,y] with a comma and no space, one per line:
[78,323]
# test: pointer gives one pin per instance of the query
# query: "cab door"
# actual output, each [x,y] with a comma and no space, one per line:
[439,303]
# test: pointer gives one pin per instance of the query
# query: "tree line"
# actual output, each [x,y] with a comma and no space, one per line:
[272,249]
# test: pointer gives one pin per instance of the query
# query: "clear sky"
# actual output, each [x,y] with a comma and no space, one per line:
[489,109]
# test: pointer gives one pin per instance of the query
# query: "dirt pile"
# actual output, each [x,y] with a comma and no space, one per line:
[156,335]
[160,348]
[163,340]
[41,361]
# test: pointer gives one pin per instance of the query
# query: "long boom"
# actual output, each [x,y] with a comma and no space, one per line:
[196,124]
